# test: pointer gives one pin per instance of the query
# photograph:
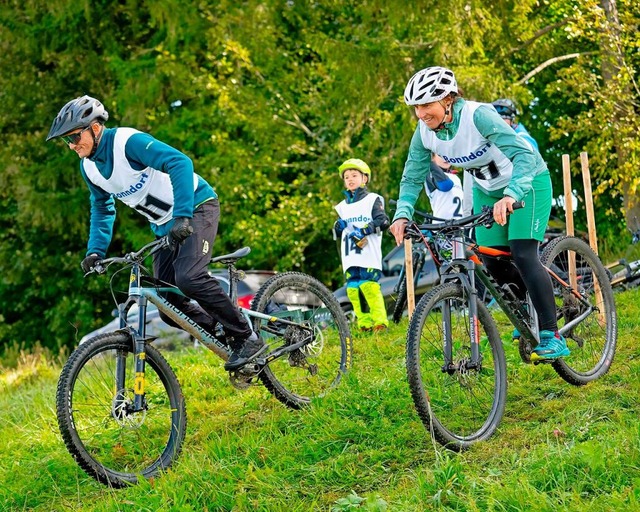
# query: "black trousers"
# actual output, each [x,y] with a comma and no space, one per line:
[527,275]
[186,266]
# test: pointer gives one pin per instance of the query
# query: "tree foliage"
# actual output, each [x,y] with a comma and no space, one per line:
[268,98]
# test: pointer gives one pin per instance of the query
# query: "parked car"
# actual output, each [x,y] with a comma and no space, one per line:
[392,265]
[247,289]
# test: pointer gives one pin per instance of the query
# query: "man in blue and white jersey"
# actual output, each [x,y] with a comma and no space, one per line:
[159,182]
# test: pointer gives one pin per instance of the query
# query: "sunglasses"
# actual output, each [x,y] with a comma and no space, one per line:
[74,138]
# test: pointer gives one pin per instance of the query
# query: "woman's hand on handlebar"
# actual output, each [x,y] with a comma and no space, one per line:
[502,208]
[397,230]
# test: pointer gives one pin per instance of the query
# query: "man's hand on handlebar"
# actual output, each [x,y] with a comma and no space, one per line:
[89,262]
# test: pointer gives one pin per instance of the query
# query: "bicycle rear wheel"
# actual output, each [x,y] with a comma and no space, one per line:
[108,440]
[315,368]
[593,340]
[460,406]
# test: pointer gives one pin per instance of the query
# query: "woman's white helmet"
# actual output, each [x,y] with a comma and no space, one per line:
[429,85]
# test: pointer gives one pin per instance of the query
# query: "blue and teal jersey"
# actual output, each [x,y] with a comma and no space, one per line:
[150,176]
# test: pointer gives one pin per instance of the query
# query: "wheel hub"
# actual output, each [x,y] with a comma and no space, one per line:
[122,409]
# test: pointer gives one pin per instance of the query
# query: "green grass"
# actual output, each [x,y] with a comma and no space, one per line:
[360,448]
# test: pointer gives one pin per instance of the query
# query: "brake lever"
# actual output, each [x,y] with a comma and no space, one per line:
[97,268]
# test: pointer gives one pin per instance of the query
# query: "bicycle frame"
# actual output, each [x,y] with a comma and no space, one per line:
[141,295]
[465,268]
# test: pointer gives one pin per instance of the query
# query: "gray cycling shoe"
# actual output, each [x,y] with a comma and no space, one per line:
[241,355]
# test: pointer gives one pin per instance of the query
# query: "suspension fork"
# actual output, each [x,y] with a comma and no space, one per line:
[466,276]
[139,337]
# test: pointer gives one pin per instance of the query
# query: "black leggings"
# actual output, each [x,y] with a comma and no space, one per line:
[529,276]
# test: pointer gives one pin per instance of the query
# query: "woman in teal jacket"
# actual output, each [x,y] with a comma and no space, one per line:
[505,169]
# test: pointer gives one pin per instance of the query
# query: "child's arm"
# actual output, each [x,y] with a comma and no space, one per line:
[379,223]
[380,218]
[438,179]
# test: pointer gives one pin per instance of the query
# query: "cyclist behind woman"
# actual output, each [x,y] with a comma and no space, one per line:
[158,182]
[507,110]
[505,169]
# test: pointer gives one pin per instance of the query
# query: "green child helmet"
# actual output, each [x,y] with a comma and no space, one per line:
[358,165]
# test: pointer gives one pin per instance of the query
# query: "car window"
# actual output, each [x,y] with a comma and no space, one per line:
[393,262]
[224,282]
[244,289]
[255,279]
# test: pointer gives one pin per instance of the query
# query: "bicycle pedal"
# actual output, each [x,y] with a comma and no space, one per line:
[541,360]
[249,369]
[240,381]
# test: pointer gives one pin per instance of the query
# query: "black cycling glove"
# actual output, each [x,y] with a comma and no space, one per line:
[89,262]
[181,230]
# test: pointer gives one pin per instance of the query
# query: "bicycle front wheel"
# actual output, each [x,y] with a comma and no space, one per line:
[459,404]
[588,322]
[108,439]
[299,376]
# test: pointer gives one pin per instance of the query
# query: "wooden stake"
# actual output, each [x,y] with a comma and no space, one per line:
[588,201]
[408,266]
[591,221]
[568,211]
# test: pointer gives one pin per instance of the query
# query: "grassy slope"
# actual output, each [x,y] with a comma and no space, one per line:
[559,447]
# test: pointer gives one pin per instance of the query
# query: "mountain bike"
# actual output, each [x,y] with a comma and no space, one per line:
[120,408]
[627,275]
[454,356]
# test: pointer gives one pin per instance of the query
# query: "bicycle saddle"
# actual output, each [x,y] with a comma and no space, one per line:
[233,257]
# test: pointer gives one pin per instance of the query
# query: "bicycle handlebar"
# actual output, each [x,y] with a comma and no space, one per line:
[485,218]
[424,215]
[101,266]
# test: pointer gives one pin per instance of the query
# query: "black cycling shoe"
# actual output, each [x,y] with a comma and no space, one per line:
[252,347]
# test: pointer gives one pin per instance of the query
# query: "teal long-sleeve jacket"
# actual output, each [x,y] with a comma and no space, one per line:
[527,161]
[142,150]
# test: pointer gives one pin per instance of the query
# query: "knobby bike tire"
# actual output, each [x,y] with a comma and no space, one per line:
[401,301]
[461,407]
[105,439]
[401,297]
[593,341]
[310,372]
